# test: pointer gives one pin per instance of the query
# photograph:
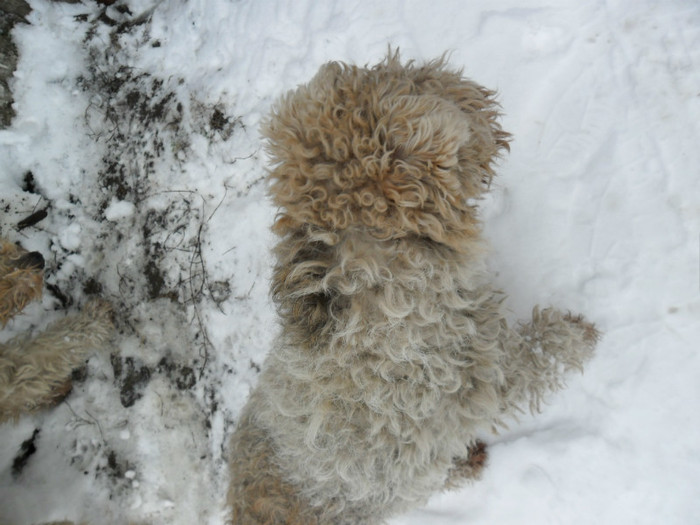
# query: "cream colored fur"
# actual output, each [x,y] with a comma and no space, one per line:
[394,354]
[35,371]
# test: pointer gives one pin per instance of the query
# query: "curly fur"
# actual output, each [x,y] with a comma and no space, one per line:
[394,354]
[352,149]
[35,371]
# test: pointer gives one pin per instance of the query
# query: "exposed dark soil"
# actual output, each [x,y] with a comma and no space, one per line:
[153,256]
[11,13]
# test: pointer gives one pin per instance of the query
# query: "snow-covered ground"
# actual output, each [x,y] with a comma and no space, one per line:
[136,129]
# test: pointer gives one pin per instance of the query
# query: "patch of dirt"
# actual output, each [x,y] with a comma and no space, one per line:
[183,376]
[149,260]
[132,377]
[11,13]
[26,451]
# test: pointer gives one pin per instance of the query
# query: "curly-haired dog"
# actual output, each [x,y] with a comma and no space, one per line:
[35,371]
[394,354]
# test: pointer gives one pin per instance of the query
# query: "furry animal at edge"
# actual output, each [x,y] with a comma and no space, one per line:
[35,371]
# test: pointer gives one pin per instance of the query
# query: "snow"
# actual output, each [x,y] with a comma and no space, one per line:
[141,138]
[119,210]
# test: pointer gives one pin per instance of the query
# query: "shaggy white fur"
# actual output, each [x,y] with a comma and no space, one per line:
[394,354]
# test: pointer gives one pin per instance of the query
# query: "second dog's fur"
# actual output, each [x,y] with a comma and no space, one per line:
[394,355]
[35,371]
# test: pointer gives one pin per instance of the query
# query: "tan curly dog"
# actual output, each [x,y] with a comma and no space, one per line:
[394,355]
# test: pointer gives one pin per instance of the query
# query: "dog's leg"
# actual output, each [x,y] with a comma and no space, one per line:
[258,495]
[540,353]
[35,372]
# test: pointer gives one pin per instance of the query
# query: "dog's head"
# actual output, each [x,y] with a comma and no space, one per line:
[394,150]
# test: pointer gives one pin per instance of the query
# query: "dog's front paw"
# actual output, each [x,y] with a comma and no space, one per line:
[568,339]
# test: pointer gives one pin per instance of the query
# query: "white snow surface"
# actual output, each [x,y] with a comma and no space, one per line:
[139,125]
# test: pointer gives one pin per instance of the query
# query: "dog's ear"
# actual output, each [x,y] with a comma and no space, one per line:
[486,140]
[303,303]
[442,148]
[423,129]
[421,181]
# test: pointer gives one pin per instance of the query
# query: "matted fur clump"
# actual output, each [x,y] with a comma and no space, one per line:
[394,354]
[35,371]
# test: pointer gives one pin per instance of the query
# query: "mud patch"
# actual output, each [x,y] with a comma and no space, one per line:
[11,13]
[137,236]
[182,376]
[26,451]
[132,377]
